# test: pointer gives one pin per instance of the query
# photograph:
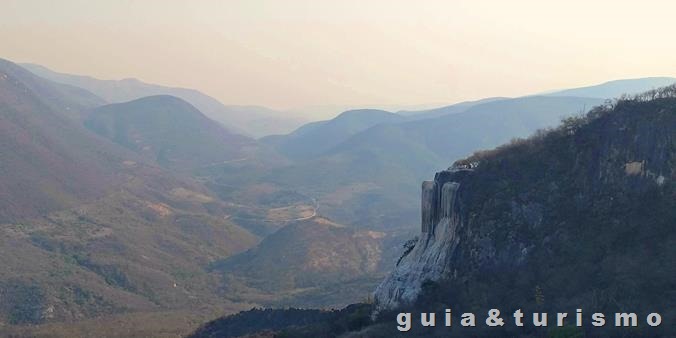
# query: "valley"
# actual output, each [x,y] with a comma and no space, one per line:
[137,208]
[579,217]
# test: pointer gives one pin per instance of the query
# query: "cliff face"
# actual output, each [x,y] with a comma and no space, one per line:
[428,259]
[586,209]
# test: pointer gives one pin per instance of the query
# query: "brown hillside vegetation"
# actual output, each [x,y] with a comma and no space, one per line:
[90,229]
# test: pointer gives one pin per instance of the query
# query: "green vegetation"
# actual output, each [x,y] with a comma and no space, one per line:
[24,302]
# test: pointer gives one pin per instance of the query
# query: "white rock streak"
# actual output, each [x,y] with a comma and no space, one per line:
[428,259]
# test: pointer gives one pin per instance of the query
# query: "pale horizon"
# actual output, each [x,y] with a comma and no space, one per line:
[293,55]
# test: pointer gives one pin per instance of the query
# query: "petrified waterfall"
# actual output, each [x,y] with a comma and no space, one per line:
[427,206]
[428,260]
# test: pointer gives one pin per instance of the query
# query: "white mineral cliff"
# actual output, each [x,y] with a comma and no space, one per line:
[428,260]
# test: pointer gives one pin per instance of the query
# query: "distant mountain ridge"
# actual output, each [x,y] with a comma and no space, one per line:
[446,110]
[374,172]
[613,89]
[405,149]
[315,138]
[250,120]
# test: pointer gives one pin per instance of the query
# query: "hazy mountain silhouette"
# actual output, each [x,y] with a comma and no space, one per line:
[317,137]
[607,90]
[251,120]
[446,110]
[613,89]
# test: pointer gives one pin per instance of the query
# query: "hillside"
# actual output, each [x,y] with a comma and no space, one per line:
[48,161]
[249,120]
[315,138]
[579,217]
[168,131]
[584,214]
[312,262]
[374,173]
[89,228]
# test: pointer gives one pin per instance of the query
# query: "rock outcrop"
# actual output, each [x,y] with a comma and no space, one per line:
[429,257]
[543,212]
[578,217]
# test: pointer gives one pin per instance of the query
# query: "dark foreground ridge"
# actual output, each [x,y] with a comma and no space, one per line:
[268,322]
[579,217]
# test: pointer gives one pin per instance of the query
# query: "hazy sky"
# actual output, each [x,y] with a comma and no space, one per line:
[287,53]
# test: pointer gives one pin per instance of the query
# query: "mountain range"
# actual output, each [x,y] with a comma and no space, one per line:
[255,121]
[121,199]
[90,228]
[580,216]
[375,159]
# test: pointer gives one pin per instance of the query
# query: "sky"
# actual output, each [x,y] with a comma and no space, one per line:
[290,54]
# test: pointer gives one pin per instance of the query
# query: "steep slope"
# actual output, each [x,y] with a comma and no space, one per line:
[71,101]
[169,131]
[584,214]
[48,161]
[312,140]
[250,120]
[612,89]
[312,262]
[88,228]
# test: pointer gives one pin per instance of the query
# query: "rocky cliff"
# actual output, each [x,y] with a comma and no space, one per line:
[584,212]
[427,257]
